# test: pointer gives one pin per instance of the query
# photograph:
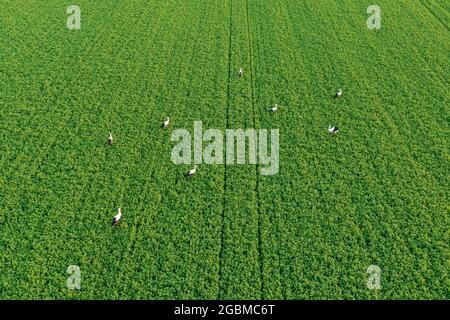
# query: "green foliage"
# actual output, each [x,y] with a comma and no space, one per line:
[374,194]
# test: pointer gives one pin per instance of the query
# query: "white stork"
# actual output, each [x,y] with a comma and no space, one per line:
[274,108]
[165,123]
[333,130]
[117,217]
[191,172]
[241,72]
[338,94]
[110,139]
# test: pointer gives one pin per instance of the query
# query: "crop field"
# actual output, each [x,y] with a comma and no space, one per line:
[375,194]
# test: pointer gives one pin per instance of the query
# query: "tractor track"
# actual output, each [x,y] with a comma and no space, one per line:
[256,190]
[225,165]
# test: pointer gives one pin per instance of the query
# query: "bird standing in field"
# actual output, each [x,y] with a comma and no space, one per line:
[165,123]
[241,72]
[117,217]
[110,139]
[274,108]
[191,172]
[338,94]
[333,130]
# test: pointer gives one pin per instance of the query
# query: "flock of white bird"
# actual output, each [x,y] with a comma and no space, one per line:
[190,173]
[331,129]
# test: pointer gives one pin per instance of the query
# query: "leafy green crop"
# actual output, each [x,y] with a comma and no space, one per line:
[375,194]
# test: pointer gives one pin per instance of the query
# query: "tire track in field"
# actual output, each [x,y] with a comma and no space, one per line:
[225,166]
[435,15]
[274,239]
[181,46]
[256,190]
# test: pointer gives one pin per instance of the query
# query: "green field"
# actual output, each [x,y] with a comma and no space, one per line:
[375,194]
